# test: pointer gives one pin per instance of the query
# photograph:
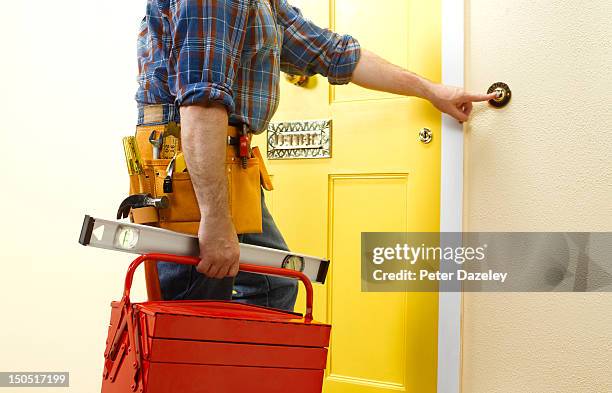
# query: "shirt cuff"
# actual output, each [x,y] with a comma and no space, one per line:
[205,93]
[345,59]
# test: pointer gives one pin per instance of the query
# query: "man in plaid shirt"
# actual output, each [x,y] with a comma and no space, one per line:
[210,63]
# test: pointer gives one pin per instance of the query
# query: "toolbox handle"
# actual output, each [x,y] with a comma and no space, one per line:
[245,267]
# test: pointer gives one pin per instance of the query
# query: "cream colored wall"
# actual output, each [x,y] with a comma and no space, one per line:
[541,164]
[68,80]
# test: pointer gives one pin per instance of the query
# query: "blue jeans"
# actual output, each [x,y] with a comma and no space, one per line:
[180,282]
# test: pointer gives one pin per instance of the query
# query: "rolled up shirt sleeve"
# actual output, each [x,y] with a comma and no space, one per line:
[207,40]
[309,49]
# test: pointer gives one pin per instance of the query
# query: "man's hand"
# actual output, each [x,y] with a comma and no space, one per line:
[219,248]
[454,101]
[204,141]
[374,72]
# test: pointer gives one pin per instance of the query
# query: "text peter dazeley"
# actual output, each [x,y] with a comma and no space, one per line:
[423,274]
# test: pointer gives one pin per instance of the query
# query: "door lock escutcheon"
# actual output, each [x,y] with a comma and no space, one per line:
[503,94]
[425,135]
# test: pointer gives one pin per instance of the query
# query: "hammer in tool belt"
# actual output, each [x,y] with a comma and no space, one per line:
[141,200]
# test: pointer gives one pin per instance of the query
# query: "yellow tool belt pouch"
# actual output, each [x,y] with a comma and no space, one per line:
[183,213]
[244,194]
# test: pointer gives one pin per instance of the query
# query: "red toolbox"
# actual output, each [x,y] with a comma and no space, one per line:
[212,346]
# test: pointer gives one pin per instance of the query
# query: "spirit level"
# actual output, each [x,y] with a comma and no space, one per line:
[143,239]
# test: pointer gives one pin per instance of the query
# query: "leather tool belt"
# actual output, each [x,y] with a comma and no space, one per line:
[245,170]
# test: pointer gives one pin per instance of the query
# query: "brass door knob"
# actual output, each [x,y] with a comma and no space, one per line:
[298,80]
[503,94]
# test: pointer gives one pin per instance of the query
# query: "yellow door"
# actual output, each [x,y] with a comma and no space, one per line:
[380,178]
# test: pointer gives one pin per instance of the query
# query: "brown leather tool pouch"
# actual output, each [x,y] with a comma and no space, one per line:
[144,215]
[266,181]
[183,214]
[244,192]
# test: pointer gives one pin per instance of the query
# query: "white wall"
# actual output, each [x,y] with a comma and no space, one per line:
[541,164]
[68,79]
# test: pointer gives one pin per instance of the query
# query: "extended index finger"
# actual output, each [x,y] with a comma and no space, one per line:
[480,97]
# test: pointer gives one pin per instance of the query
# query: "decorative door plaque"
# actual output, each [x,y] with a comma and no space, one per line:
[299,139]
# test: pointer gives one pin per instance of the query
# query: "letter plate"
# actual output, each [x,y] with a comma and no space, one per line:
[299,139]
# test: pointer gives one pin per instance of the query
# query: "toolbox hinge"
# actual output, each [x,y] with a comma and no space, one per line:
[114,352]
[134,350]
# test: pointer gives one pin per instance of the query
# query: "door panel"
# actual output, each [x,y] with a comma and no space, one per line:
[360,19]
[357,344]
[380,178]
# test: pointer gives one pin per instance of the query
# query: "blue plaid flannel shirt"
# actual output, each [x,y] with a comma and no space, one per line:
[232,52]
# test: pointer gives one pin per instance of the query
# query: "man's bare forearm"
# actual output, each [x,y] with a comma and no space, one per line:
[374,72]
[204,141]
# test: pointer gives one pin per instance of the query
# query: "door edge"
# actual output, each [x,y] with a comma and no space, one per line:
[451,198]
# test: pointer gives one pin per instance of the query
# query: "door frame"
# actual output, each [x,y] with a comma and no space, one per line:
[451,195]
